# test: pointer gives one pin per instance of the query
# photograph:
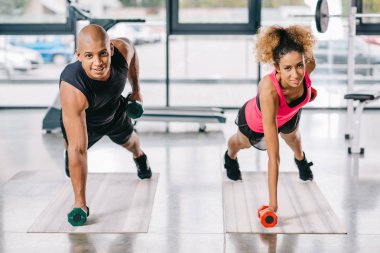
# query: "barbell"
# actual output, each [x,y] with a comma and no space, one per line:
[322,16]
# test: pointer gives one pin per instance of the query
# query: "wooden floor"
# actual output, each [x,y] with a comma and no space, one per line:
[119,203]
[188,213]
[302,207]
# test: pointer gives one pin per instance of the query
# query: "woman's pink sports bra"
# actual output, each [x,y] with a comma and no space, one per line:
[285,111]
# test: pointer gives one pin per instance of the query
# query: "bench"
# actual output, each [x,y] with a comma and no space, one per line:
[363,97]
[201,115]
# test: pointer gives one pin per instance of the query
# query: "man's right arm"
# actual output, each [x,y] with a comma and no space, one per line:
[74,104]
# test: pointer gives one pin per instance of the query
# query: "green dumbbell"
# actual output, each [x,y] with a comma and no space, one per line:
[134,108]
[78,217]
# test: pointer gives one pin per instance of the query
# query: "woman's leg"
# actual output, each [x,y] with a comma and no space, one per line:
[235,143]
[293,140]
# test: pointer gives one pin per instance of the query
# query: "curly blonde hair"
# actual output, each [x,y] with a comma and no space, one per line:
[273,42]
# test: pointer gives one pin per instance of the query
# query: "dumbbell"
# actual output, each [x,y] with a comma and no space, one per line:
[78,217]
[134,108]
[267,218]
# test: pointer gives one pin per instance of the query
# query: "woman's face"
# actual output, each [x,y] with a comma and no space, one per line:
[291,68]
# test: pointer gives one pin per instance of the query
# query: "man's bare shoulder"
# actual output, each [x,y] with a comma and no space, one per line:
[72,97]
[125,47]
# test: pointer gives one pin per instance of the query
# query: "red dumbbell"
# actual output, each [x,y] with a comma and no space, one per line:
[267,218]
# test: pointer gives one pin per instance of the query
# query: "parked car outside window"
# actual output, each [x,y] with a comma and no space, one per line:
[53,48]
[14,58]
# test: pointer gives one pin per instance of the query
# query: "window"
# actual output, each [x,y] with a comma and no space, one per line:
[222,11]
[214,16]
[30,11]
[368,25]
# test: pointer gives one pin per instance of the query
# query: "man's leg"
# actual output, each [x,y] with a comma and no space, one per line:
[141,160]
[133,145]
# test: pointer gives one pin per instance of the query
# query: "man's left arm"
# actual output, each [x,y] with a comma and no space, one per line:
[127,49]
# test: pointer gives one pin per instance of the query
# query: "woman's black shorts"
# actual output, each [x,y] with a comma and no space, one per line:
[256,139]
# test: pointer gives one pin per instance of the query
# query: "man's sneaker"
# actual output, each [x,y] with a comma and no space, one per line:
[66,157]
[304,169]
[232,167]
[143,168]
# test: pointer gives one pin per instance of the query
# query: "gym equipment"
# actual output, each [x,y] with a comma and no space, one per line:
[363,97]
[134,108]
[322,16]
[78,217]
[201,115]
[51,120]
[321,19]
[267,218]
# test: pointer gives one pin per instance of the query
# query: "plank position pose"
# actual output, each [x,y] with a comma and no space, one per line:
[92,106]
[277,106]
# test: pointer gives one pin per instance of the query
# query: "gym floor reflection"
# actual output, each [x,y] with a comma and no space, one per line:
[187,213]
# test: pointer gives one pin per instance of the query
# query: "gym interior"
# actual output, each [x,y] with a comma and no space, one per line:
[197,68]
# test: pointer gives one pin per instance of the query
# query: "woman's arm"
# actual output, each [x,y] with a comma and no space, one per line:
[310,64]
[269,102]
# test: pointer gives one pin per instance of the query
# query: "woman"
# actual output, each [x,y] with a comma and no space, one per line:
[277,106]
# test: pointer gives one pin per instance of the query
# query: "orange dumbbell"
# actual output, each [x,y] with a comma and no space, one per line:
[267,218]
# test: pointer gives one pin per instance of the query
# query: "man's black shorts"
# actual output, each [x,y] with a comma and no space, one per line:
[119,130]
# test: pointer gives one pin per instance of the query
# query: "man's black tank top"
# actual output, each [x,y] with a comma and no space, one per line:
[104,97]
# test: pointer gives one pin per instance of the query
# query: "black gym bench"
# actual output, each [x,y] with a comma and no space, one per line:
[201,115]
[363,97]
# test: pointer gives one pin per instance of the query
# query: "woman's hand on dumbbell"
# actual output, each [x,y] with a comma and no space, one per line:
[267,216]
[269,209]
[273,207]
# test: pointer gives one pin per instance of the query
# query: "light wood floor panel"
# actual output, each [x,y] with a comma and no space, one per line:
[119,203]
[302,207]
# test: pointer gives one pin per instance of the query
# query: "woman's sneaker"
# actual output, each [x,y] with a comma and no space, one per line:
[232,167]
[143,168]
[304,169]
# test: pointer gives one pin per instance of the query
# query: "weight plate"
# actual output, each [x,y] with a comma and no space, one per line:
[322,16]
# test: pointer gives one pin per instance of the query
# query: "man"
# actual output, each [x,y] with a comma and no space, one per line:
[92,105]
